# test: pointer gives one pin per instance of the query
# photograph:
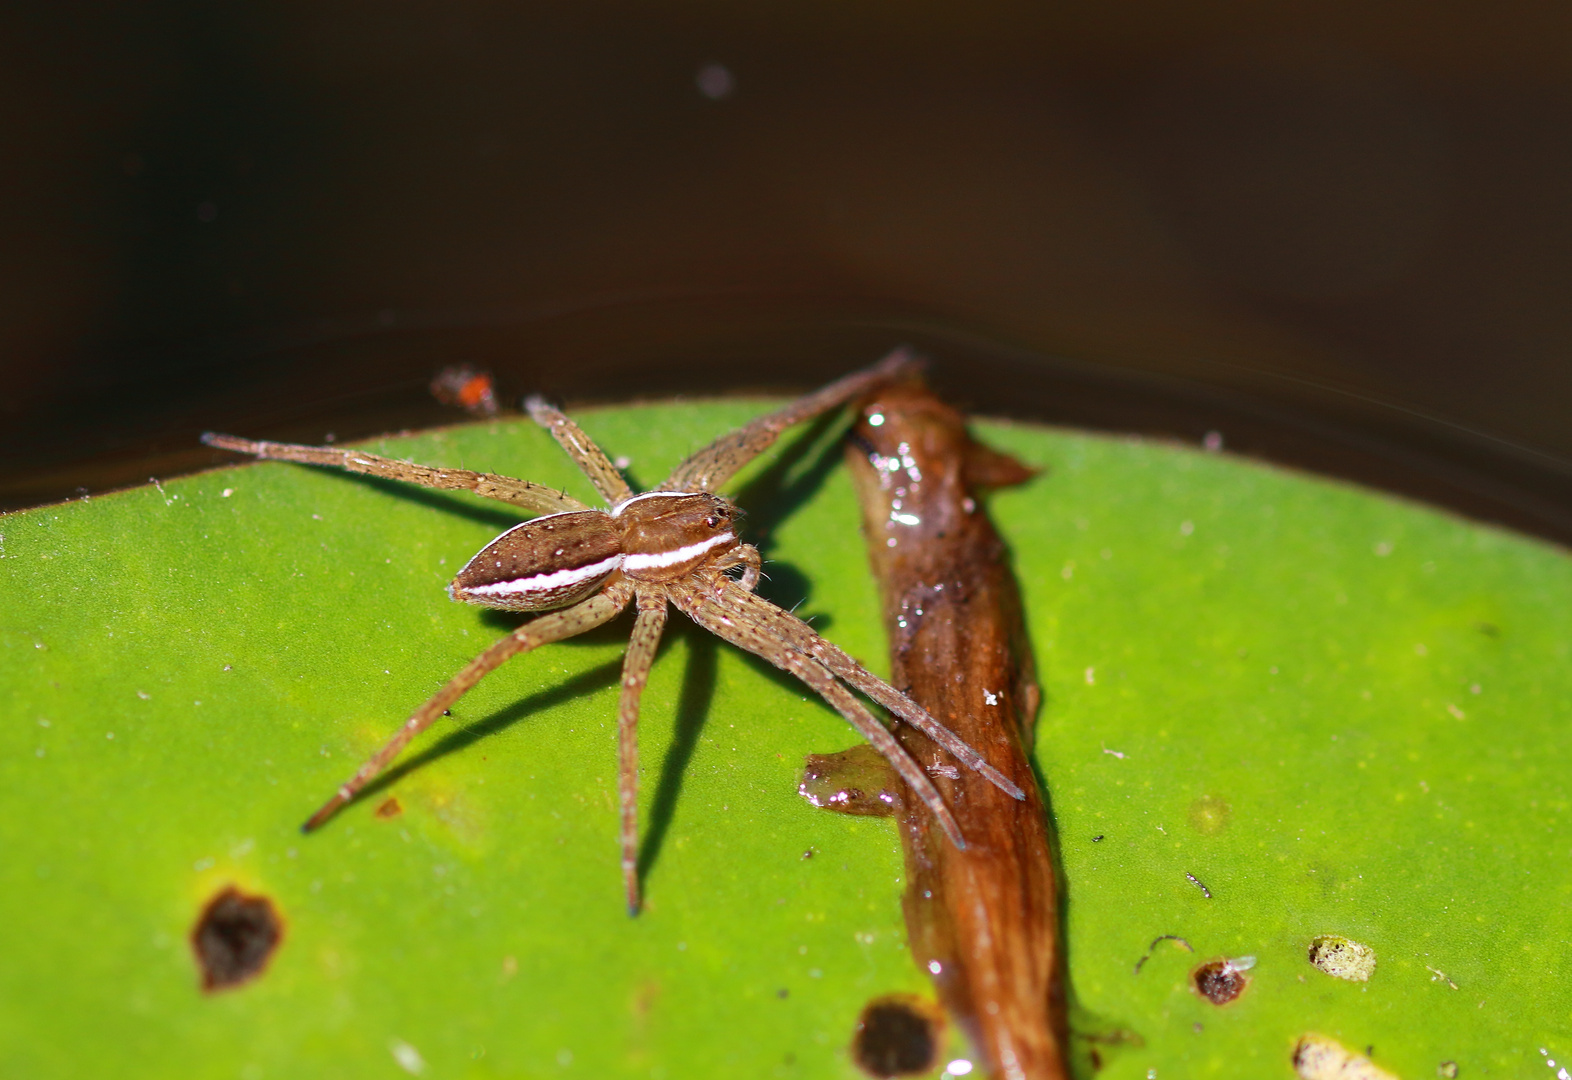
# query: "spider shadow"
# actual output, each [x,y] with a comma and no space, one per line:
[785,484]
[586,682]
[693,704]
[693,707]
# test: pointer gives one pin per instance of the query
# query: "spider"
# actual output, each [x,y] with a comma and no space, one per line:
[675,545]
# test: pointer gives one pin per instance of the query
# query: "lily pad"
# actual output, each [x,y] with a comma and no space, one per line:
[1339,713]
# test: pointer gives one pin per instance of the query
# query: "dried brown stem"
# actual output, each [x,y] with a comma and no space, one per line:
[986,915]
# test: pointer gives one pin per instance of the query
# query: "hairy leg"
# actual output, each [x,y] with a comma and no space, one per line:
[590,459]
[691,600]
[709,468]
[535,497]
[747,557]
[553,626]
[740,604]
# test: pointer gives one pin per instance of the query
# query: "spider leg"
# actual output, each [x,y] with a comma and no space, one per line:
[790,628]
[746,634]
[635,673]
[709,468]
[553,626]
[914,714]
[747,557]
[540,499]
[590,458]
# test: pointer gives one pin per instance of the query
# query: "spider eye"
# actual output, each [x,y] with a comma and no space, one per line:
[712,521]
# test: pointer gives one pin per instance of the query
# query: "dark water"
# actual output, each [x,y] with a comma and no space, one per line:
[1339,236]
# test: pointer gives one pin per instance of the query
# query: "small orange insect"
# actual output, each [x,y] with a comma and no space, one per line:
[469,388]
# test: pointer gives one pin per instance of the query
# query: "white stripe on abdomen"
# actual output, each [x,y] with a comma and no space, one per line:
[548,583]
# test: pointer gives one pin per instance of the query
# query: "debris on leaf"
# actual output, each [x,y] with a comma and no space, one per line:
[1343,958]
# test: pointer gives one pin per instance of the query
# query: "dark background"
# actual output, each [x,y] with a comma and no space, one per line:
[1341,234]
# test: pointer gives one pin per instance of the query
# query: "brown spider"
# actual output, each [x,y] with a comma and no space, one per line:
[672,545]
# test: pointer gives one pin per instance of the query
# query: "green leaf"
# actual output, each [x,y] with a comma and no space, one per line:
[1342,713]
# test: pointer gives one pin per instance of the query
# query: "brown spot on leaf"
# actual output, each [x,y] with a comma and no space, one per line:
[389,808]
[1219,981]
[235,937]
[899,1035]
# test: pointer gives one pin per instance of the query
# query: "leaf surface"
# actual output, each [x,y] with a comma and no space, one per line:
[1340,712]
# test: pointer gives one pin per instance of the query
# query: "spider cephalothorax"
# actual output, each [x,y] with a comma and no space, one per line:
[674,545]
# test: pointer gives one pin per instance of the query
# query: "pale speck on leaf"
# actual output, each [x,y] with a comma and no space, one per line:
[407,1056]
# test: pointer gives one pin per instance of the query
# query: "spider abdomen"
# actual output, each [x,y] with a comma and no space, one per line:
[546,563]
